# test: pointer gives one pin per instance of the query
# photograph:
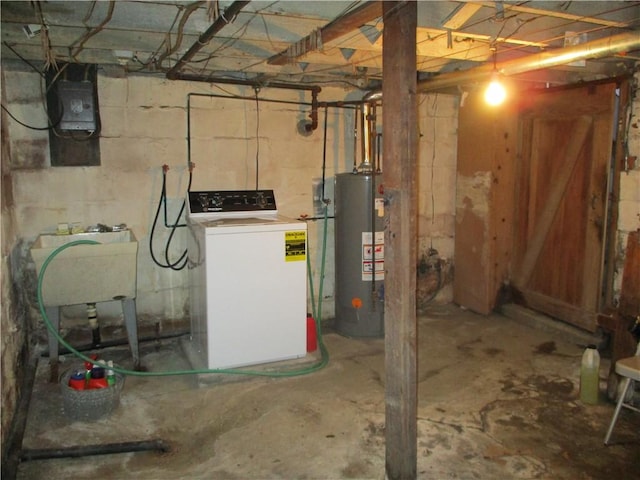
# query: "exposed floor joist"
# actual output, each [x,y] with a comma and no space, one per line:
[339,27]
[556,14]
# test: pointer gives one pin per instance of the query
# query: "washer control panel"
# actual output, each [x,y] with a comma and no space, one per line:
[226,201]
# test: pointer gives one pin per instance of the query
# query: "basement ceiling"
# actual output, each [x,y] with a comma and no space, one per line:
[308,43]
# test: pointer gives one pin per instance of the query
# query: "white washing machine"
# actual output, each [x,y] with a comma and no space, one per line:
[248,274]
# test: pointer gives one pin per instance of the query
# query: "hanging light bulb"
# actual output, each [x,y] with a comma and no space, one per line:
[495,93]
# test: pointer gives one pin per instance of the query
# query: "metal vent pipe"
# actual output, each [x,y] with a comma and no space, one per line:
[604,47]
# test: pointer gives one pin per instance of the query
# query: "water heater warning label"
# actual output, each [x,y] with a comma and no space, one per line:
[372,256]
[295,246]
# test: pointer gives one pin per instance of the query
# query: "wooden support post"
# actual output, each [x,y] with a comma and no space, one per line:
[400,133]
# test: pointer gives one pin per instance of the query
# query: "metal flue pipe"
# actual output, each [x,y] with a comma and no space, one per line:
[603,47]
[366,138]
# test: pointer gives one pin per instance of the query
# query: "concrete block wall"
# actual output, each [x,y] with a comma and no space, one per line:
[437,166]
[629,197]
[438,117]
[629,203]
[628,220]
[13,335]
[144,126]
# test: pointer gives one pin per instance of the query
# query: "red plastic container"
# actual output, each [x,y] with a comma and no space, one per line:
[312,335]
[94,383]
[77,380]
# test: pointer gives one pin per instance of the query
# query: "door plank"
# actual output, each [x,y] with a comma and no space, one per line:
[596,205]
[556,308]
[569,157]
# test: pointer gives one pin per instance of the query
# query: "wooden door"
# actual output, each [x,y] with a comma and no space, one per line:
[565,150]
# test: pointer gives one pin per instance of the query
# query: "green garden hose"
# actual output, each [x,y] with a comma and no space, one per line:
[324,359]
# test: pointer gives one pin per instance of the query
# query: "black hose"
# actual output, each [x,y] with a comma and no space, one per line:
[182,260]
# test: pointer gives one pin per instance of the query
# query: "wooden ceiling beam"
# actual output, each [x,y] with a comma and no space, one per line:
[556,14]
[461,15]
[367,12]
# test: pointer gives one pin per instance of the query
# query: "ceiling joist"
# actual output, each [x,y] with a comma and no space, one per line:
[318,42]
[556,14]
[367,12]
[461,15]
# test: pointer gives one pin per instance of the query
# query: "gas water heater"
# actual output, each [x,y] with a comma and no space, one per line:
[359,254]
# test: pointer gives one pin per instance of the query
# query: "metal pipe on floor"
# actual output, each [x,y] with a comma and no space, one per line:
[119,342]
[15,436]
[88,450]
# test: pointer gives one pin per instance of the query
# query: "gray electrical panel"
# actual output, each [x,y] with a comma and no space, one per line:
[78,106]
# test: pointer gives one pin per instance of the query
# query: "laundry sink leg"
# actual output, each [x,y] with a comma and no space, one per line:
[53,314]
[131,322]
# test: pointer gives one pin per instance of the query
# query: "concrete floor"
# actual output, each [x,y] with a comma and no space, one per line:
[497,399]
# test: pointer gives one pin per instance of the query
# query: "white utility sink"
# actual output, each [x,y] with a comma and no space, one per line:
[87,273]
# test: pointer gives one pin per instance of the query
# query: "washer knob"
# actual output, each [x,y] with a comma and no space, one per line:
[261,201]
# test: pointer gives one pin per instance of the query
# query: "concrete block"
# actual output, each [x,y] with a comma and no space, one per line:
[130,154]
[628,216]
[113,92]
[156,122]
[113,121]
[630,185]
[634,142]
[146,91]
[22,88]
[222,123]
[30,154]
